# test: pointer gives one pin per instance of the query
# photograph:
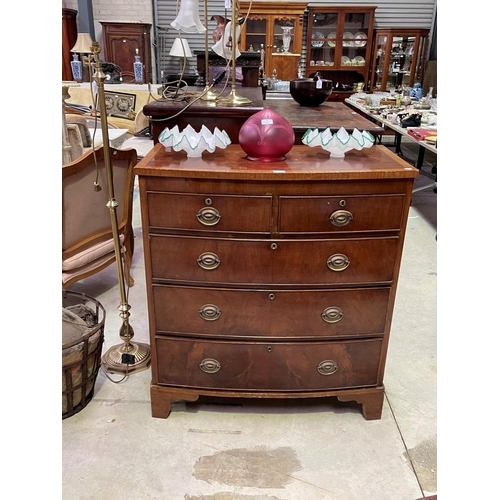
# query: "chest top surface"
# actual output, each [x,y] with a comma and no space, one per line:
[301,163]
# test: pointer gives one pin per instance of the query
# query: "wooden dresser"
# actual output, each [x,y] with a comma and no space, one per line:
[272,280]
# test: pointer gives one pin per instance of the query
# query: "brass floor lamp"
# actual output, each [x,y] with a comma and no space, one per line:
[128,357]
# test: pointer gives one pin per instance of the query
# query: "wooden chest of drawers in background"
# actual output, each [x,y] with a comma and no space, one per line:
[272,280]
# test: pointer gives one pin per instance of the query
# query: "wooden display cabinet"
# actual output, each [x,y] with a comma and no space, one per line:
[338,46]
[120,43]
[398,58]
[263,29]
[69,35]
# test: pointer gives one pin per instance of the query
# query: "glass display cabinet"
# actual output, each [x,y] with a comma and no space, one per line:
[277,28]
[398,58]
[339,41]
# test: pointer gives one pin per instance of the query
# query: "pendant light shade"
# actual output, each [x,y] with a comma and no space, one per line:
[188,18]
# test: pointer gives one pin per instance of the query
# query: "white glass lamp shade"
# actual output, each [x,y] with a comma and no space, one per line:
[188,18]
[82,44]
[224,46]
[180,48]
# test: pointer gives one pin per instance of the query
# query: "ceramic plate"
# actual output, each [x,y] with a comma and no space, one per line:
[318,39]
[331,43]
[348,36]
[345,61]
[360,38]
[358,61]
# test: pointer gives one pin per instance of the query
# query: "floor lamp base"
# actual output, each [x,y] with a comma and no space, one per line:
[117,360]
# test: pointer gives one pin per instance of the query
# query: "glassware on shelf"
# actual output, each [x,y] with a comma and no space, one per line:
[287,37]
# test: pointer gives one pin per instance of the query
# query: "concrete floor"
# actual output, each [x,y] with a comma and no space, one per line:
[262,449]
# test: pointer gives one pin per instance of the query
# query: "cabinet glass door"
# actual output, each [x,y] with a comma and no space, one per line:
[256,31]
[283,35]
[324,38]
[354,39]
[401,61]
[380,60]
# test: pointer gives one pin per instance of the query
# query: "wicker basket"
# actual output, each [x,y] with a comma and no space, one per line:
[81,349]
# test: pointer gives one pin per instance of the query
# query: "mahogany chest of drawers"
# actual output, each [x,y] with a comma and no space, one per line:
[272,280]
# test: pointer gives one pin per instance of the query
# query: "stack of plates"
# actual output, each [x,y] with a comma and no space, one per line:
[360,38]
[318,39]
[348,36]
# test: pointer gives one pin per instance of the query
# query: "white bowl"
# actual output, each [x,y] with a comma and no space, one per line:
[339,143]
[192,142]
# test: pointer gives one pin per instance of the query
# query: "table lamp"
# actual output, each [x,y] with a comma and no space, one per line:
[82,46]
[180,48]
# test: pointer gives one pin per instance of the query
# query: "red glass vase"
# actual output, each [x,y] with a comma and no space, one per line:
[266,136]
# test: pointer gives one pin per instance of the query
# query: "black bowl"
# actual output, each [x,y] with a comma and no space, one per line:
[305,91]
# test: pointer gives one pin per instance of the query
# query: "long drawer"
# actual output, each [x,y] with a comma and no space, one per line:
[267,366]
[280,262]
[334,214]
[246,313]
[208,212]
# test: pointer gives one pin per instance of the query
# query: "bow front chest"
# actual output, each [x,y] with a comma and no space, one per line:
[272,280]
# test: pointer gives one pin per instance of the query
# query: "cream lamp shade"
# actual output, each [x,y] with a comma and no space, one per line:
[83,43]
[224,46]
[180,48]
[188,18]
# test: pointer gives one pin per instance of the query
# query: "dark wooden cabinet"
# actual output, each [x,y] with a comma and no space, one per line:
[120,43]
[272,280]
[69,35]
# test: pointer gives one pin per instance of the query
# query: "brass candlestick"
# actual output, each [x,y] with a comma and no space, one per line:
[208,94]
[234,99]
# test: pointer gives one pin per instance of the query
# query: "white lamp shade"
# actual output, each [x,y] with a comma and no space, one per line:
[188,18]
[180,48]
[221,47]
[83,43]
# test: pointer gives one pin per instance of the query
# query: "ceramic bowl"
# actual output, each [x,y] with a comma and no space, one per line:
[307,91]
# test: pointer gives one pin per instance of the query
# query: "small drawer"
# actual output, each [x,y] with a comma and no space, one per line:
[267,366]
[198,212]
[336,214]
[279,262]
[279,314]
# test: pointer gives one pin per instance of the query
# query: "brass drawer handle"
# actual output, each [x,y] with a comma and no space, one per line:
[327,367]
[332,314]
[208,261]
[209,312]
[338,262]
[209,365]
[208,216]
[341,218]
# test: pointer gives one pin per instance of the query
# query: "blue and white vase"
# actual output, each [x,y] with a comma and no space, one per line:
[417,91]
[77,68]
[138,68]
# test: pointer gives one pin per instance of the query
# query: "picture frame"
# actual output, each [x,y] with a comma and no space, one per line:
[119,104]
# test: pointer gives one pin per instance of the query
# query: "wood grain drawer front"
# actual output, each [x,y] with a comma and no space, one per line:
[333,214]
[209,212]
[304,314]
[264,366]
[280,262]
